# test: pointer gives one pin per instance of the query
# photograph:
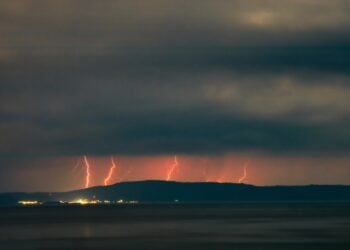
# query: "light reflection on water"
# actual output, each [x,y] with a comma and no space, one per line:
[87,230]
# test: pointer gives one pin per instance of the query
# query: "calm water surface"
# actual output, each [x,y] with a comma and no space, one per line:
[181,226]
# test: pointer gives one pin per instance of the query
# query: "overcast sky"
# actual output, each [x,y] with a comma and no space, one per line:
[173,77]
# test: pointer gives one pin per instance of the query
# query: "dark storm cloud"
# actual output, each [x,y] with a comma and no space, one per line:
[174,76]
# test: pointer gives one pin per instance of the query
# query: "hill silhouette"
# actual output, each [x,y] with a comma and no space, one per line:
[168,191]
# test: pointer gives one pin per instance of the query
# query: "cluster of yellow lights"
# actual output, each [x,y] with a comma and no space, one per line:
[29,202]
[81,201]
[121,201]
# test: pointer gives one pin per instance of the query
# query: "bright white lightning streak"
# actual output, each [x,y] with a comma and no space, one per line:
[244,173]
[87,172]
[171,171]
[110,173]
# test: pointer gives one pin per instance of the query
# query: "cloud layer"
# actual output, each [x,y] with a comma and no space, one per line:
[154,77]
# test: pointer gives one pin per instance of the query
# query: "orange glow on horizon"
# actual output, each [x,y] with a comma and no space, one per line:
[61,174]
[110,173]
[124,175]
[193,169]
[138,168]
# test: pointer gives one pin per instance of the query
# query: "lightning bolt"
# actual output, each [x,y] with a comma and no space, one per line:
[76,165]
[110,173]
[244,172]
[87,172]
[171,171]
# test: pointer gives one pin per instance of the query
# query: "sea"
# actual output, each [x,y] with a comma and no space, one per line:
[177,226]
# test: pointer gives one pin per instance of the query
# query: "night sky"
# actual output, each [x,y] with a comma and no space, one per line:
[220,84]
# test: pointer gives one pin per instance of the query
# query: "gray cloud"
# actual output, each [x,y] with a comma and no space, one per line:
[174,76]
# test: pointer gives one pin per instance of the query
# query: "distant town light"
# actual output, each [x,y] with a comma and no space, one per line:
[28,202]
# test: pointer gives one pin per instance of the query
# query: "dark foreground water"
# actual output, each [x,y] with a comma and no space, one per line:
[181,226]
